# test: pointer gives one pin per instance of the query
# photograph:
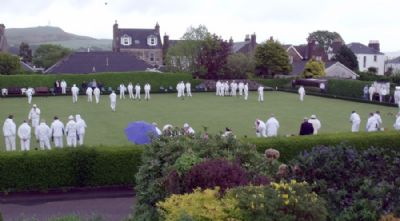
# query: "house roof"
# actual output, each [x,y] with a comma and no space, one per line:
[394,61]
[26,67]
[298,67]
[139,38]
[104,61]
[239,45]
[359,48]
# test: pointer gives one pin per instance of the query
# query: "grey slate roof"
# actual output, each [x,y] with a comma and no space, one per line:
[139,38]
[359,48]
[298,67]
[239,45]
[394,61]
[104,61]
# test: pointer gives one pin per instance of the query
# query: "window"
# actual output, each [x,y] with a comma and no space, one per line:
[291,59]
[375,58]
[365,62]
[152,40]
[151,57]
[318,58]
[126,40]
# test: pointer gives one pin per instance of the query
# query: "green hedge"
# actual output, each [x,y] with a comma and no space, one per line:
[278,82]
[347,88]
[108,79]
[79,167]
[290,147]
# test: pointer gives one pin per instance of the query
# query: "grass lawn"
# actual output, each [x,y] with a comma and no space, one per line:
[204,109]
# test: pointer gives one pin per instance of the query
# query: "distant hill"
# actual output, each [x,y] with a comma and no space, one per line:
[54,35]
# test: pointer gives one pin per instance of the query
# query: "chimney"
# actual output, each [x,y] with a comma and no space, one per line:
[271,38]
[157,28]
[115,45]
[165,46]
[2,28]
[247,38]
[231,40]
[310,48]
[253,40]
[375,45]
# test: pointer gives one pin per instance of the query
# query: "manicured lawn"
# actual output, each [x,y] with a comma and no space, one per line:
[204,109]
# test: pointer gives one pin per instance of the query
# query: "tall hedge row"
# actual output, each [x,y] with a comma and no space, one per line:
[41,170]
[108,79]
[278,82]
[346,88]
[290,147]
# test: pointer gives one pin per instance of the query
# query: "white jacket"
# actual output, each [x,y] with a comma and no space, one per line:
[89,91]
[75,90]
[57,128]
[372,124]
[70,129]
[396,125]
[355,118]
[43,131]
[9,128]
[34,114]
[96,91]
[272,125]
[24,131]
[80,124]
[316,124]
[113,97]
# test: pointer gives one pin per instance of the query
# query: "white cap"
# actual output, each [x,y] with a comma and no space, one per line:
[397,87]
[185,125]
[34,105]
[70,117]
[313,116]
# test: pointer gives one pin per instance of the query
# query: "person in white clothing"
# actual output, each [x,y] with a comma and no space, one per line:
[188,89]
[261,129]
[122,91]
[113,100]
[396,96]
[372,123]
[34,117]
[396,124]
[355,121]
[71,132]
[57,132]
[246,91]
[74,92]
[302,92]
[187,130]
[130,91]
[272,125]
[29,93]
[241,87]
[371,92]
[315,123]
[379,125]
[9,132]
[63,85]
[44,133]
[96,93]
[24,134]
[260,93]
[137,91]
[89,93]
[159,133]
[80,128]
[147,89]
[234,87]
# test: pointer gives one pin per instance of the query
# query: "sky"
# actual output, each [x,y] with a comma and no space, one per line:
[289,21]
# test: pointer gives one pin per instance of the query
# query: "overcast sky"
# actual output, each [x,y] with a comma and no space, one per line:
[289,21]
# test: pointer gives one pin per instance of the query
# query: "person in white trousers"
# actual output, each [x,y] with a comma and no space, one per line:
[9,132]
[81,129]
[355,121]
[137,91]
[89,93]
[188,89]
[44,133]
[147,89]
[130,91]
[113,101]
[71,132]
[74,92]
[29,93]
[63,85]
[246,91]
[57,131]
[34,117]
[302,92]
[24,134]
[272,125]
[260,93]
[122,89]
[96,93]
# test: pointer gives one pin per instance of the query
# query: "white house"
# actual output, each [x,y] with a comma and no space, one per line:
[338,70]
[369,56]
[393,64]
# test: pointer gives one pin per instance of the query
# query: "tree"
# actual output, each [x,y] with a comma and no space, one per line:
[196,34]
[9,64]
[346,56]
[314,69]
[325,38]
[239,65]
[46,55]
[213,58]
[271,59]
[25,52]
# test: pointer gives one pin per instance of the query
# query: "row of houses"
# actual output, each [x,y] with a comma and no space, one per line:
[136,49]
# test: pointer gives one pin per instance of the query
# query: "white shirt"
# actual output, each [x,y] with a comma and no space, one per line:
[89,91]
[316,124]
[34,113]
[378,119]
[355,118]
[396,125]
[75,90]
[272,125]
[80,125]
[113,97]
[70,128]
[96,91]
[147,87]
[43,131]
[302,91]
[24,131]
[9,128]
[58,128]
[372,124]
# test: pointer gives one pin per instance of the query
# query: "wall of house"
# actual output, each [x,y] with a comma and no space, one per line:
[379,63]
[145,55]
[339,71]
[394,66]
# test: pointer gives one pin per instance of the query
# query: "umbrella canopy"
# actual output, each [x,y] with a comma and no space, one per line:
[140,132]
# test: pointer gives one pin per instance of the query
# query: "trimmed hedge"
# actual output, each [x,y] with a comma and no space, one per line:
[278,82]
[347,88]
[80,167]
[290,147]
[107,79]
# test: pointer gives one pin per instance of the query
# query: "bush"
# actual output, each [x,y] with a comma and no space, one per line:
[107,79]
[346,88]
[357,184]
[279,202]
[290,147]
[42,170]
[278,82]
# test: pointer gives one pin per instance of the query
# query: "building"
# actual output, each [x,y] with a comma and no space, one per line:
[369,56]
[393,65]
[101,61]
[3,40]
[246,47]
[144,43]
[333,69]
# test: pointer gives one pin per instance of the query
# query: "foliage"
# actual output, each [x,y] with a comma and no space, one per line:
[277,82]
[76,218]
[346,56]
[314,69]
[279,202]
[358,185]
[271,59]
[41,170]
[47,54]
[389,217]
[325,38]
[25,52]
[158,172]
[212,59]
[199,205]
[239,65]
[290,147]
[196,34]
[9,64]
[185,162]
[346,88]
[373,70]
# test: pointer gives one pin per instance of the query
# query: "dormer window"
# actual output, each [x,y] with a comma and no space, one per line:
[126,40]
[152,40]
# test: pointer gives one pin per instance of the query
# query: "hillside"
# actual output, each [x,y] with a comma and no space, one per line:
[53,35]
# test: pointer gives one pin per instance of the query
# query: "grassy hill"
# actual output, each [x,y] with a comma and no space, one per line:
[53,35]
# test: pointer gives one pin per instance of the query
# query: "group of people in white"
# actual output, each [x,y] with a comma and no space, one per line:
[223,88]
[180,89]
[129,89]
[74,131]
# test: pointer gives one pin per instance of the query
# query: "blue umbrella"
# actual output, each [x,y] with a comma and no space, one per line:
[140,132]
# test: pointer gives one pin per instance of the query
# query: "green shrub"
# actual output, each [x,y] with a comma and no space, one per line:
[278,82]
[290,147]
[346,88]
[41,170]
[107,79]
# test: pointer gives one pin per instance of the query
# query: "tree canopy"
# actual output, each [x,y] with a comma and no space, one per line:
[239,65]
[271,59]
[47,54]
[346,56]
[9,64]
[314,69]
[325,38]
[25,52]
